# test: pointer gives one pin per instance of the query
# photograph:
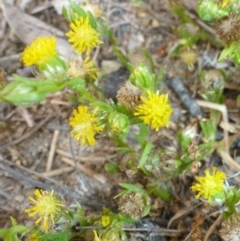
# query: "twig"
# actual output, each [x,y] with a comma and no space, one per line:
[25,114]
[52,150]
[210,230]
[229,160]
[57,172]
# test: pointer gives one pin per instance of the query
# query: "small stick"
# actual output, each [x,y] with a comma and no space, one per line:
[212,227]
[57,172]
[25,114]
[82,168]
[52,150]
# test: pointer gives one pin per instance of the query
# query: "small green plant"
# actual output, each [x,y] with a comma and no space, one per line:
[142,104]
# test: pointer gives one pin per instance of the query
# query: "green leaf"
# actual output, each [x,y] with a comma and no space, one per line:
[92,20]
[60,236]
[146,211]
[103,106]
[146,152]
[123,58]
[209,130]
[65,13]
[77,84]
[160,192]
[25,99]
[11,234]
[228,52]
[132,188]
[77,9]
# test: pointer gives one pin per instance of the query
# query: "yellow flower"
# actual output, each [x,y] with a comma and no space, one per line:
[83,36]
[209,185]
[84,125]
[154,110]
[40,51]
[105,221]
[83,69]
[46,207]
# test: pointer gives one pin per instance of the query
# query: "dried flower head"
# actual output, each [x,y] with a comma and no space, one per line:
[209,186]
[230,230]
[154,110]
[228,28]
[213,80]
[83,36]
[40,51]
[134,204]
[93,8]
[129,95]
[189,57]
[46,206]
[85,125]
[83,69]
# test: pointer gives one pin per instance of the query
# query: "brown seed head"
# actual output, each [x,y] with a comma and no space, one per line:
[128,95]
[228,28]
[230,228]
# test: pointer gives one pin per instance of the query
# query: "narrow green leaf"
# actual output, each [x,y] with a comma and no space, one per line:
[145,154]
[132,187]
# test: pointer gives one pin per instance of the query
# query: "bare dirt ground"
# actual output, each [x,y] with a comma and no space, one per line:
[36,149]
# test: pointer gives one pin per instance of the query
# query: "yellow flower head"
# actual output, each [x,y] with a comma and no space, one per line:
[83,36]
[209,185]
[105,220]
[40,51]
[82,69]
[84,125]
[154,110]
[46,206]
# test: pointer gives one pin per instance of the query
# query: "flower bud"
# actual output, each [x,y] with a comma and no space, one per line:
[189,57]
[118,122]
[143,78]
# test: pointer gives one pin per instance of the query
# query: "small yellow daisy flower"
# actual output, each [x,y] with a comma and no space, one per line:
[154,110]
[83,36]
[105,220]
[40,51]
[46,207]
[84,126]
[82,69]
[209,185]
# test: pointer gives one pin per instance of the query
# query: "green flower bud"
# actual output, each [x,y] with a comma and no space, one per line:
[143,78]
[210,11]
[118,122]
